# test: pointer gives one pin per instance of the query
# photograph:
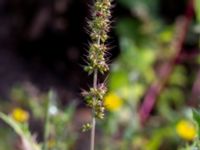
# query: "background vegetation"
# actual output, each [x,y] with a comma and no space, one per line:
[153,85]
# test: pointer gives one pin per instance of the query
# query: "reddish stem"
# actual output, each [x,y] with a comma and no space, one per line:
[193,101]
[167,68]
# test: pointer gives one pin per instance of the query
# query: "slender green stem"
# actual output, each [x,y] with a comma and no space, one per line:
[93,133]
[46,126]
[95,79]
[92,140]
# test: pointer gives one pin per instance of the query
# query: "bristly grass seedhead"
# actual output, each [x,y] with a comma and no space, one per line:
[99,26]
[94,99]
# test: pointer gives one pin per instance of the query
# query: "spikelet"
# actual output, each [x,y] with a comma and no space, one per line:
[99,26]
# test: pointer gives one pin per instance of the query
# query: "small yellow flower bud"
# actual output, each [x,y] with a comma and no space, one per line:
[20,115]
[112,101]
[186,130]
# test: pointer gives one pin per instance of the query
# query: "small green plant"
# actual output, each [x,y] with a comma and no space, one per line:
[57,123]
[195,144]
[21,128]
[99,27]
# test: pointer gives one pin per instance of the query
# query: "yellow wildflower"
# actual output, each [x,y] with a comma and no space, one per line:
[20,115]
[112,101]
[186,130]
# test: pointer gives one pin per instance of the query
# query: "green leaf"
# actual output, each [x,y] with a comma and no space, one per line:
[197,10]
[16,127]
[166,35]
[178,77]
[22,130]
[118,79]
[159,136]
[132,30]
[145,6]
[196,116]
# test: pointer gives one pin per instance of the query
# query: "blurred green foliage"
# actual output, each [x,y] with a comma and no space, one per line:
[145,44]
[59,126]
